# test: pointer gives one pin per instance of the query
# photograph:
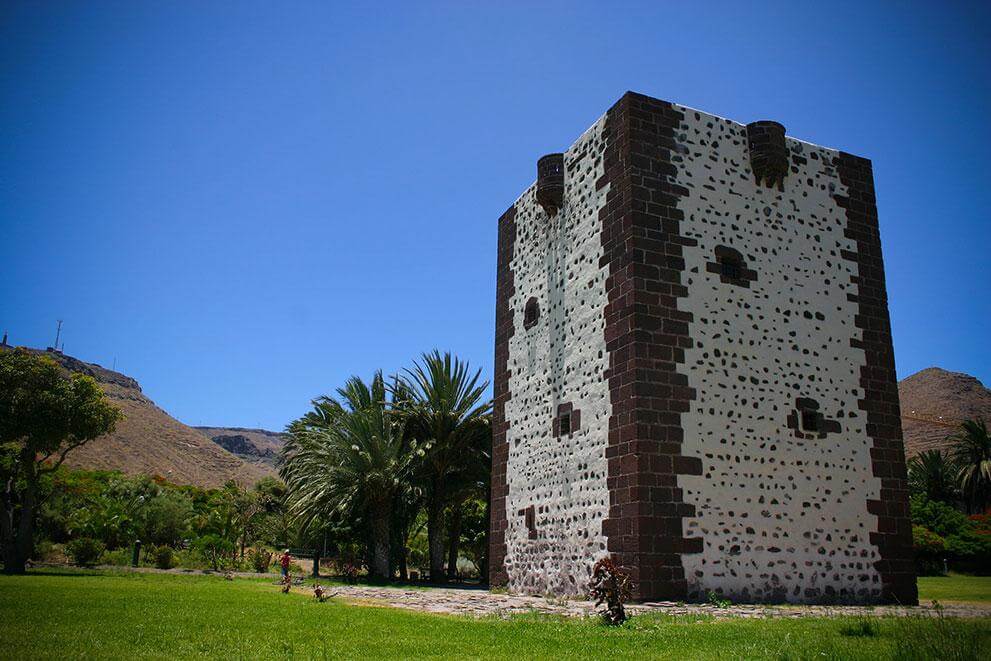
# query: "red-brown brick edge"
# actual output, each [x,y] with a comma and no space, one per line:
[893,537]
[505,288]
[646,337]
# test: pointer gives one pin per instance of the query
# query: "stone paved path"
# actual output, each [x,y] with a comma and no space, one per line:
[478,602]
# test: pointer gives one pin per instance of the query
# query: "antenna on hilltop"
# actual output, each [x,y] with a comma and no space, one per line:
[58,334]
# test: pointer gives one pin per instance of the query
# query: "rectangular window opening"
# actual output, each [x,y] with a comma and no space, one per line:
[730,269]
[530,519]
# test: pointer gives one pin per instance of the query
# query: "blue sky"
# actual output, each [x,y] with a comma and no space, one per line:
[246,202]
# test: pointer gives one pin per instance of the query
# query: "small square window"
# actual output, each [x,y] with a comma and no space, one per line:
[730,268]
[531,312]
[564,425]
[530,519]
[810,420]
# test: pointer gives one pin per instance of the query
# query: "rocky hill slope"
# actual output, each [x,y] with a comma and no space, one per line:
[252,445]
[934,402]
[152,442]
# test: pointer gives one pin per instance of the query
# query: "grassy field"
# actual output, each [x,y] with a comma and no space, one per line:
[955,587]
[101,615]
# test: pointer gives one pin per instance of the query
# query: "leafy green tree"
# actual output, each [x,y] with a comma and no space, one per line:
[274,525]
[470,483]
[119,517]
[346,460]
[970,550]
[972,453]
[166,518]
[234,515]
[475,533]
[933,473]
[216,550]
[44,415]
[66,494]
[930,550]
[941,518]
[447,414]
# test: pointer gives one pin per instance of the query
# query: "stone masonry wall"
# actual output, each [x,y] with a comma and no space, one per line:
[557,497]
[783,514]
[694,373]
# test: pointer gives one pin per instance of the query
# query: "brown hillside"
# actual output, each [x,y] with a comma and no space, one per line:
[150,441]
[252,445]
[934,402]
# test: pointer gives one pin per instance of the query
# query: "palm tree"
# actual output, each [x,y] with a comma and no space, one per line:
[934,474]
[348,460]
[447,414]
[471,481]
[972,453]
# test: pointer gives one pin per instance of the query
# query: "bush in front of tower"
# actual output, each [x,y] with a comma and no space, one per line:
[611,586]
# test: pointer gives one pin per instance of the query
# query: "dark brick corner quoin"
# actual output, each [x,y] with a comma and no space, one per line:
[505,288]
[893,537]
[646,338]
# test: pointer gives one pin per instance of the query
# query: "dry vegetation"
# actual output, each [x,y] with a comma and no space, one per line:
[934,402]
[150,441]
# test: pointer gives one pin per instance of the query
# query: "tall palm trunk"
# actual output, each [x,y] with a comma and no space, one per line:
[380,542]
[403,563]
[454,540]
[435,531]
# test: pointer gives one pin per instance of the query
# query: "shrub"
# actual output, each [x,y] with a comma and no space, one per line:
[166,518]
[970,550]
[260,560]
[611,586]
[347,569]
[939,517]
[85,551]
[981,523]
[189,559]
[930,549]
[54,553]
[467,568]
[164,557]
[216,551]
[117,557]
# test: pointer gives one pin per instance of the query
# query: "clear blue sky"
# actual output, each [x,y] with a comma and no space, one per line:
[247,202]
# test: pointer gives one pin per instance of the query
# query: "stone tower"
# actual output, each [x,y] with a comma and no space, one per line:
[694,370]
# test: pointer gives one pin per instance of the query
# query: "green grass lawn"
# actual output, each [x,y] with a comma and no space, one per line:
[955,587]
[106,615]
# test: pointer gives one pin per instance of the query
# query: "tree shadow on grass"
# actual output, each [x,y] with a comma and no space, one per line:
[364,581]
[65,573]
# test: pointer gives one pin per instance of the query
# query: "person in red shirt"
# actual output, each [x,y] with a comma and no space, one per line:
[284,561]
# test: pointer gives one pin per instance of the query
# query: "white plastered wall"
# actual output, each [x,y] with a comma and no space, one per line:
[781,517]
[562,359]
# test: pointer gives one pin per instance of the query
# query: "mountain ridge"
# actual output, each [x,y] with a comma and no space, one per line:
[934,402]
[149,440]
[250,444]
